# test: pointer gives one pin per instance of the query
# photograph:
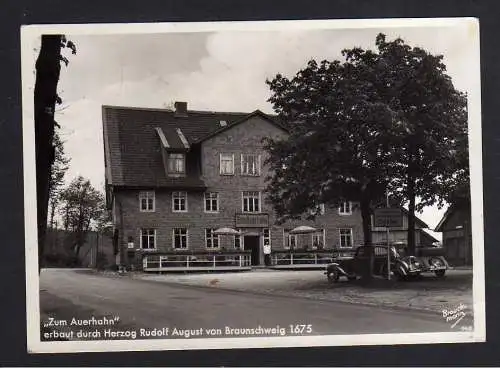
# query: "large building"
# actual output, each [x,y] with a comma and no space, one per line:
[175,176]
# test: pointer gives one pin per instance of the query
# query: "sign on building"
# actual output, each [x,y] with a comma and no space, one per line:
[252,220]
[388,217]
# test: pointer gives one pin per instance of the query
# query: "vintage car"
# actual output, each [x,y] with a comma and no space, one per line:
[352,266]
[431,258]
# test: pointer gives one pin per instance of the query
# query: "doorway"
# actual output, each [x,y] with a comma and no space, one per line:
[252,243]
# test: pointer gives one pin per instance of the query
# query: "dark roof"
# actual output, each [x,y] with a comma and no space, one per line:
[452,209]
[132,143]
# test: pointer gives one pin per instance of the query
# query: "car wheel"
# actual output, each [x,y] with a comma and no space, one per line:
[440,273]
[333,276]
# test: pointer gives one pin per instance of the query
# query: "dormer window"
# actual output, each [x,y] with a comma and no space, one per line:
[176,164]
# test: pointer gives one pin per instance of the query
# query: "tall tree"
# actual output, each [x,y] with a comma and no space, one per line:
[58,171]
[82,206]
[384,120]
[335,151]
[48,67]
[432,158]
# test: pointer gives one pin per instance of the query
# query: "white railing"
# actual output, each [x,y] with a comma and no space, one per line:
[285,259]
[166,262]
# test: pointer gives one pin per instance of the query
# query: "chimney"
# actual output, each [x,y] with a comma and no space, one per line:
[180,108]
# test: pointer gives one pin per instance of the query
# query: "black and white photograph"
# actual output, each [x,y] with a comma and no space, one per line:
[220,185]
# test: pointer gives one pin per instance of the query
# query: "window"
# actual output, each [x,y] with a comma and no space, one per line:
[251,201]
[179,201]
[211,240]
[345,208]
[226,164]
[238,241]
[290,240]
[211,202]
[148,239]
[318,210]
[176,164]
[345,238]
[250,164]
[318,239]
[180,238]
[147,201]
[266,236]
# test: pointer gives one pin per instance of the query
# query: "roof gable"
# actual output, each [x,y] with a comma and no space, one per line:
[135,137]
[242,120]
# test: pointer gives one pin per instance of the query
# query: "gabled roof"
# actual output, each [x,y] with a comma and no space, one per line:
[133,142]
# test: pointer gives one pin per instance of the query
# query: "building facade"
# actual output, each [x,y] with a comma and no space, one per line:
[457,234]
[175,176]
[400,235]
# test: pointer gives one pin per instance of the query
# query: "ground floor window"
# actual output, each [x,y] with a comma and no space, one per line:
[180,238]
[318,239]
[211,240]
[238,242]
[148,238]
[290,240]
[345,238]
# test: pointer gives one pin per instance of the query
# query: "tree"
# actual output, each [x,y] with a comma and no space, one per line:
[432,158]
[58,171]
[82,206]
[48,67]
[379,121]
[335,151]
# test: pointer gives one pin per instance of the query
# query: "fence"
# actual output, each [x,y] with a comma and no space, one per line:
[196,262]
[296,259]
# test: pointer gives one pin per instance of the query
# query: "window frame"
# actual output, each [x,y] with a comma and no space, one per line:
[220,164]
[211,238]
[350,237]
[169,160]
[343,206]
[181,235]
[240,238]
[185,202]
[259,199]
[286,240]
[319,234]
[244,162]
[210,199]
[145,195]
[141,230]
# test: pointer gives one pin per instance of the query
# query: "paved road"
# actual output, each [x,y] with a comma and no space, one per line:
[152,305]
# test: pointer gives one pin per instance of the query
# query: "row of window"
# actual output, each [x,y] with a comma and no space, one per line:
[250,164]
[180,239]
[250,202]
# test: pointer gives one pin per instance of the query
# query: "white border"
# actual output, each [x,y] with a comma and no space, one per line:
[30,34]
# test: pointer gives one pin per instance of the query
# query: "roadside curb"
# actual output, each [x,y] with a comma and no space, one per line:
[138,277]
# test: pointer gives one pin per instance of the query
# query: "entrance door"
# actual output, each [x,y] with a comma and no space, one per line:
[252,243]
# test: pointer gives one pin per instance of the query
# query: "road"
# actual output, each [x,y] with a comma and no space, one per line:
[147,304]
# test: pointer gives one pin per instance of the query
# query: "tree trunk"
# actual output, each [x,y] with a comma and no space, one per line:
[411,216]
[53,204]
[367,235]
[48,68]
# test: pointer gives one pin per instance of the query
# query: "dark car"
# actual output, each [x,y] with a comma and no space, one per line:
[430,257]
[354,265]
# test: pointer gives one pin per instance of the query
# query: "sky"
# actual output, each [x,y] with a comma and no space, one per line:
[219,70]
